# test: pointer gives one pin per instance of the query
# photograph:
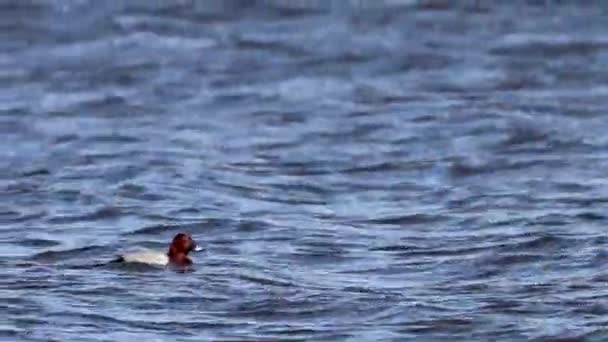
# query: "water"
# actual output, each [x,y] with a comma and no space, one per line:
[355,171]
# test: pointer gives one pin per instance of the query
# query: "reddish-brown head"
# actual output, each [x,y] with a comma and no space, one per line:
[181,245]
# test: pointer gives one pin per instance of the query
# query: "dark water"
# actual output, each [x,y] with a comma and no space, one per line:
[408,171]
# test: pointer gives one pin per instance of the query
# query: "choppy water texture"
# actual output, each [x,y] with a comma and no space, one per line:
[413,171]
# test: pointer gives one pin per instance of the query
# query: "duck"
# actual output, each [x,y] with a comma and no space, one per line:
[177,255]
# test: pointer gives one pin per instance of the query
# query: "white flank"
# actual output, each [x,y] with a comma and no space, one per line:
[147,257]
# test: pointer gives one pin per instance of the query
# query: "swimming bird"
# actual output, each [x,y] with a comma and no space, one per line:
[177,255]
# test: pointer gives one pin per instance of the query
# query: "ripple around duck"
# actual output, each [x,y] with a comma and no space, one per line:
[61,255]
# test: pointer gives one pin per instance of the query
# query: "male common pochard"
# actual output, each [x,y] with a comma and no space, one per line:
[177,255]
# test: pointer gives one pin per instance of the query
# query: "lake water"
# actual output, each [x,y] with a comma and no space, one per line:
[356,171]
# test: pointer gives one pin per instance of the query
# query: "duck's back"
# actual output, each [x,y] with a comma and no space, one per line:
[146,257]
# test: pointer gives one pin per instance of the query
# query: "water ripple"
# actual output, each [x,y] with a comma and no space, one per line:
[390,171]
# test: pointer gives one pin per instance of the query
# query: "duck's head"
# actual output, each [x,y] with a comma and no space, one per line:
[180,247]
